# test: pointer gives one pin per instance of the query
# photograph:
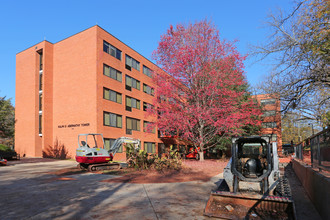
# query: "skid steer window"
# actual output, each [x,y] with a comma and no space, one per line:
[253,148]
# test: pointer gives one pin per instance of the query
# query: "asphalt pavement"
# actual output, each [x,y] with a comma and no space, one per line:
[29,191]
[33,191]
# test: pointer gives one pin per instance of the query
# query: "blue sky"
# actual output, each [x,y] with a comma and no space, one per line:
[139,24]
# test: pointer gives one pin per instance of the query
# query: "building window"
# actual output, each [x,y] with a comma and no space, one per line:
[40,123]
[161,149]
[269,113]
[132,103]
[161,134]
[40,53]
[147,106]
[150,147]
[161,99]
[40,101]
[113,51]
[149,127]
[149,90]
[267,101]
[108,142]
[40,60]
[147,71]
[112,120]
[132,124]
[131,62]
[111,95]
[131,82]
[272,137]
[269,124]
[111,72]
[40,81]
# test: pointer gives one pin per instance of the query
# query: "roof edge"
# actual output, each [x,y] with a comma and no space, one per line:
[34,46]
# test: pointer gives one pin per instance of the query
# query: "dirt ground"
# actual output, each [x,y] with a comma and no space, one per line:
[192,170]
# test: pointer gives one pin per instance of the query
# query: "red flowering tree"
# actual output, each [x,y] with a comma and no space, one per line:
[201,95]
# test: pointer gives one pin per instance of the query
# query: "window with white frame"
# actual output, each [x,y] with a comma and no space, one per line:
[113,51]
[132,63]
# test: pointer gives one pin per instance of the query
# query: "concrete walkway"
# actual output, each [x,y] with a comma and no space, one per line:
[28,192]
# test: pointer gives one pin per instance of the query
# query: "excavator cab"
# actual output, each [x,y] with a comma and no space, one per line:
[91,140]
[86,155]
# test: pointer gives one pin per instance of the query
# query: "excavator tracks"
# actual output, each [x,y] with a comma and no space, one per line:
[100,166]
[104,166]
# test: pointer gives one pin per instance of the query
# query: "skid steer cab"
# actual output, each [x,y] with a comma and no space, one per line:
[92,155]
[252,187]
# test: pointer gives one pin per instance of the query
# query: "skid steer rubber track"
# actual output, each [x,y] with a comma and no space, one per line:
[283,188]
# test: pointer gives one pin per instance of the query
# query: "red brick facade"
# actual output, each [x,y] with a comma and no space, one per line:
[72,92]
[271,125]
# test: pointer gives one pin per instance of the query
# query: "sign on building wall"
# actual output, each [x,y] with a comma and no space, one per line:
[73,125]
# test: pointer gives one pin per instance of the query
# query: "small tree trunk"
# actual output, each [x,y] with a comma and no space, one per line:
[201,155]
[201,151]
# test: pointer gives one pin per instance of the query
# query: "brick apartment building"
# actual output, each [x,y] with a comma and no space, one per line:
[271,125]
[90,82]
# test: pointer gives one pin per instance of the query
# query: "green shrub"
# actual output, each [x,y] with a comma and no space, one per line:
[5,148]
[171,161]
[140,159]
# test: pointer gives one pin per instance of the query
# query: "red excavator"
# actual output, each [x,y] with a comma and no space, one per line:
[96,157]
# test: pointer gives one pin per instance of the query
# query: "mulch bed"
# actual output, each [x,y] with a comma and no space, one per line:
[192,171]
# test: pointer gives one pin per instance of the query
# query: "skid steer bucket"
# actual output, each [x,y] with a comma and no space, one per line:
[228,205]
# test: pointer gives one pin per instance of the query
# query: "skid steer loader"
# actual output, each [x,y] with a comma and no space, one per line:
[252,187]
